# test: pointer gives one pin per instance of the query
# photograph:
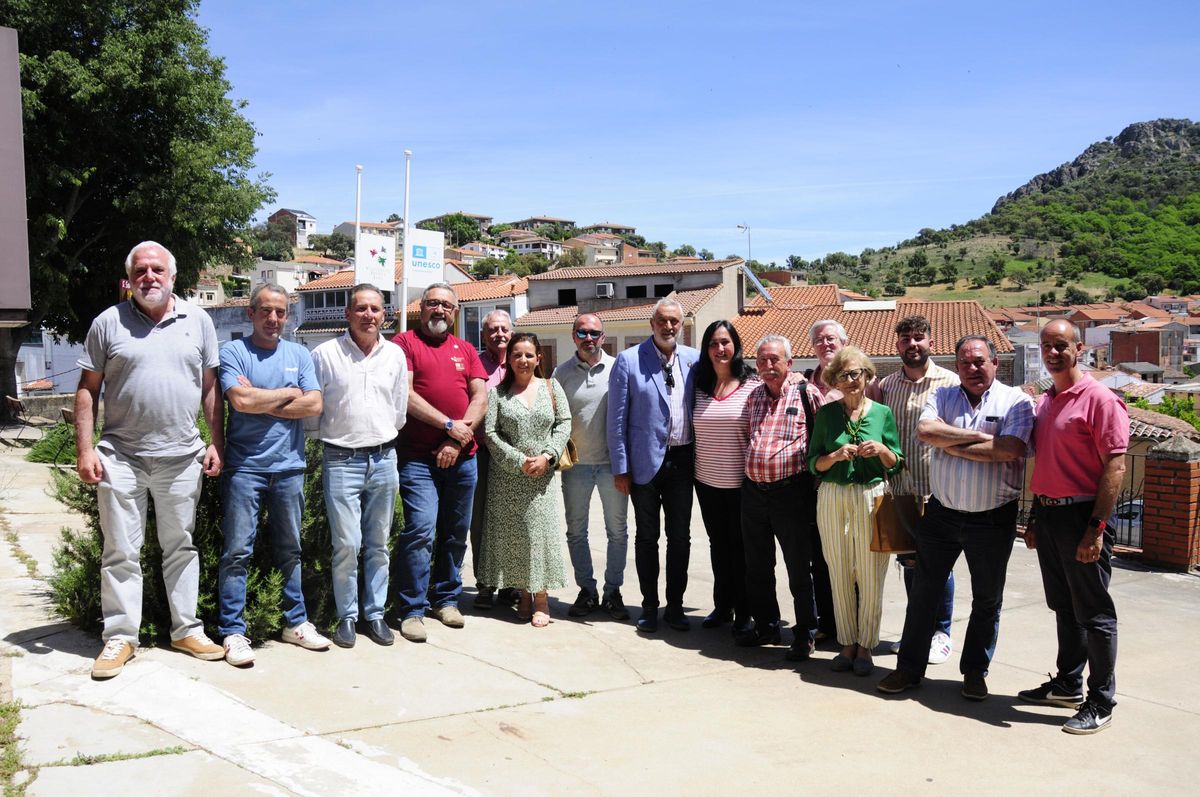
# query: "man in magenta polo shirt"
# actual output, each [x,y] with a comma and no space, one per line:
[1081,433]
[447,400]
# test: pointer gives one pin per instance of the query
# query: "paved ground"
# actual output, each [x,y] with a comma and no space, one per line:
[584,707]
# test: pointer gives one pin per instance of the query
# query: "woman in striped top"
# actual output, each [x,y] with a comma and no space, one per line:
[721,431]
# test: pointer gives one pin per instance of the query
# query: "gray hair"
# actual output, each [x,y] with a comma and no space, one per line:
[829,322]
[780,339]
[269,287]
[359,288]
[497,312]
[439,286]
[146,245]
[575,325]
[666,301]
[965,339]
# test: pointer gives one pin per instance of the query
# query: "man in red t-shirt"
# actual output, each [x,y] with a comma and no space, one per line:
[447,399]
[1080,435]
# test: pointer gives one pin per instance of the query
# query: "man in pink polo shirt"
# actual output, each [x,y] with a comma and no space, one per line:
[1081,432]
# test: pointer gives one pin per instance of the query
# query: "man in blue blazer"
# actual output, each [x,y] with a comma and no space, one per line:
[650,447]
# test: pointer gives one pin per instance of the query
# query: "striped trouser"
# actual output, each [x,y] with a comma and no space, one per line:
[844,520]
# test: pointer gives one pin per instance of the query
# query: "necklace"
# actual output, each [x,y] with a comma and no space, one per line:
[854,428]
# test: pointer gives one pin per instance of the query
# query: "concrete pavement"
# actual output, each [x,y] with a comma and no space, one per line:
[584,707]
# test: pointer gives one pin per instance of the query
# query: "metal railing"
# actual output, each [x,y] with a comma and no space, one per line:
[1126,519]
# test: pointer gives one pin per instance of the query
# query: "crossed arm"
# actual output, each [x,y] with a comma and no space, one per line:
[290,403]
[970,443]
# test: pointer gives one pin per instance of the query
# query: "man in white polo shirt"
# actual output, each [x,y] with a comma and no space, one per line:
[365,385]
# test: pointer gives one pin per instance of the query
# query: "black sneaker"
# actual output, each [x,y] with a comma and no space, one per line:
[584,605]
[485,598]
[975,686]
[615,606]
[508,596]
[1052,693]
[1090,718]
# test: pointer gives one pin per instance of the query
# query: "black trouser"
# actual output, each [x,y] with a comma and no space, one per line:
[822,587]
[1077,593]
[721,509]
[671,491]
[483,461]
[780,510]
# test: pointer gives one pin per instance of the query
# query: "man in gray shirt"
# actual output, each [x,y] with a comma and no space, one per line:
[584,378]
[156,356]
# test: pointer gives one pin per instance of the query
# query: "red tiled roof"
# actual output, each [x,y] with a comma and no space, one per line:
[677,266]
[1140,310]
[873,331]
[691,301]
[1098,312]
[480,290]
[390,226]
[320,261]
[1139,389]
[796,296]
[39,384]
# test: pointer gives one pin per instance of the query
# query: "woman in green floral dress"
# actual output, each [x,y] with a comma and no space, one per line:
[527,427]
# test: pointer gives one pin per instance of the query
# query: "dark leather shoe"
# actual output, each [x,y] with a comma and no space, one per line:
[759,635]
[975,686]
[676,619]
[508,596]
[379,633]
[717,618]
[801,650]
[485,598]
[648,622]
[741,625]
[343,635]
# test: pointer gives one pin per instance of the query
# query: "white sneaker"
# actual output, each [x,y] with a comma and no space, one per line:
[237,650]
[305,635]
[940,648]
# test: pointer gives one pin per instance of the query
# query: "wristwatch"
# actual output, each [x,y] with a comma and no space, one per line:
[550,460]
[449,424]
[1098,524]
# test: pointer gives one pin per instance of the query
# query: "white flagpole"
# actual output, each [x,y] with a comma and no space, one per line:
[357,210]
[401,295]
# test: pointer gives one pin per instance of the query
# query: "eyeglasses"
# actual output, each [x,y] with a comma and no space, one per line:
[434,303]
[851,375]
[594,334]
[669,375]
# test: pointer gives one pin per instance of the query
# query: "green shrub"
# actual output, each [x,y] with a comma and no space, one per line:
[57,446]
[75,583]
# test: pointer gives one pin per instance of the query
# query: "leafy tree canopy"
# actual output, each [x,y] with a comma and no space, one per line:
[129,136]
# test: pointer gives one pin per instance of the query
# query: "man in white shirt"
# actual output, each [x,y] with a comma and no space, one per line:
[365,384]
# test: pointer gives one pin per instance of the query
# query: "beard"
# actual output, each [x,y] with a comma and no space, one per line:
[915,360]
[436,326]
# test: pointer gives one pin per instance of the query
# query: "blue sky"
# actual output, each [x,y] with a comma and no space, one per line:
[823,126]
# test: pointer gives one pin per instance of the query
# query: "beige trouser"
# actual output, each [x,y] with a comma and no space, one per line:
[844,521]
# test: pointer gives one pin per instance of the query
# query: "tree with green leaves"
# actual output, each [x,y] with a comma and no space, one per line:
[272,241]
[950,272]
[334,245]
[572,258]
[686,250]
[129,135]
[459,229]
[1073,295]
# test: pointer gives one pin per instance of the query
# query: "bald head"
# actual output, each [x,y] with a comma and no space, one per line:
[1061,351]
[1060,327]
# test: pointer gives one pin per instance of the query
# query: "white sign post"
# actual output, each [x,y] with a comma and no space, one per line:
[424,262]
[375,260]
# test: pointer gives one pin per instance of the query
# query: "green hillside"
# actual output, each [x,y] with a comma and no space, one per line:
[1121,220]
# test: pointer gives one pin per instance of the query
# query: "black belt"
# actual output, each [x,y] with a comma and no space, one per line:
[684,448]
[1067,501]
[379,449]
[767,487]
[985,512]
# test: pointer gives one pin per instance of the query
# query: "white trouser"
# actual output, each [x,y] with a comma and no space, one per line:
[174,485]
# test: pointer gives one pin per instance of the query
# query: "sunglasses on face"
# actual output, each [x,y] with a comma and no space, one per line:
[433,303]
[584,334]
[850,376]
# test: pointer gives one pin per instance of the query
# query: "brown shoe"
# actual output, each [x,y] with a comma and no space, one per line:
[198,645]
[449,615]
[110,661]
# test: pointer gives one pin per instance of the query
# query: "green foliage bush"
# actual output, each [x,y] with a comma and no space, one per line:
[75,583]
[56,446]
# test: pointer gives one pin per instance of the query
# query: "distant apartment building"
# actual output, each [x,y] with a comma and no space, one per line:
[393,228]
[289,276]
[612,228]
[485,249]
[305,223]
[208,292]
[1175,305]
[551,250]
[598,250]
[1154,341]
[533,222]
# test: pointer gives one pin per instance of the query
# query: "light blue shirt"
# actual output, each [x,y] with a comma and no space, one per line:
[964,484]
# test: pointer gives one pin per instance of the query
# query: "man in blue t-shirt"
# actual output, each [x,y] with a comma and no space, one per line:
[270,385]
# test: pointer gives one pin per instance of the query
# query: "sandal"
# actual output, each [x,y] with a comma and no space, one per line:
[524,606]
[541,614]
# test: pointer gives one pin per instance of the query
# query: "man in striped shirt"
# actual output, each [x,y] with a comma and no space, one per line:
[979,432]
[906,392]
[778,500]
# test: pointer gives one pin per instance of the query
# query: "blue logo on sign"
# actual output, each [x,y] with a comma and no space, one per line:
[419,251]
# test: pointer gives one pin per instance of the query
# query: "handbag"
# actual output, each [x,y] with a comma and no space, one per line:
[569,456]
[891,520]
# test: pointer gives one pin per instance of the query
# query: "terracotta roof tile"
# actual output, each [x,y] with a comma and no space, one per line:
[1156,426]
[664,267]
[691,301]
[793,296]
[320,261]
[480,290]
[873,331]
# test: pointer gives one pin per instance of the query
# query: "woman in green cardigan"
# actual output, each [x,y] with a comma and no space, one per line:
[855,447]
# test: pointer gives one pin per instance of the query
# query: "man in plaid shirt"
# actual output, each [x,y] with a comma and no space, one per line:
[778,499]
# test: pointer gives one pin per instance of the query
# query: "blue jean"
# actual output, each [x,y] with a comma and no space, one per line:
[577,484]
[242,493]
[986,539]
[437,519]
[360,499]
